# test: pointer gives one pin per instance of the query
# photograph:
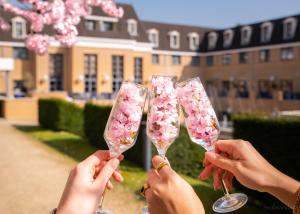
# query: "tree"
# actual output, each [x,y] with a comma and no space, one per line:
[62,16]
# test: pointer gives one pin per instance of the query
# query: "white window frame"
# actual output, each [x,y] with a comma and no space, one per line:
[155,33]
[172,35]
[192,36]
[246,40]
[132,23]
[294,23]
[212,40]
[227,41]
[266,38]
[14,21]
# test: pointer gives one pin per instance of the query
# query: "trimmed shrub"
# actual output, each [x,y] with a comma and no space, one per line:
[95,118]
[277,139]
[57,114]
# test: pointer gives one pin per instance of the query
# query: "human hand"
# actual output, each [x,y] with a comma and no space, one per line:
[87,182]
[169,193]
[238,158]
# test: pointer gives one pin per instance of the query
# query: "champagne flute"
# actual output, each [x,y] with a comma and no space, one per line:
[203,128]
[124,121]
[163,115]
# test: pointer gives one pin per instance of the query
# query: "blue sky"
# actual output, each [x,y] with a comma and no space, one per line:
[213,13]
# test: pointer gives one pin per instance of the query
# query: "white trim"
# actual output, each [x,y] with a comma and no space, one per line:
[12,44]
[172,35]
[154,32]
[101,18]
[248,29]
[212,40]
[179,53]
[268,36]
[228,41]
[294,23]
[15,20]
[132,23]
[192,36]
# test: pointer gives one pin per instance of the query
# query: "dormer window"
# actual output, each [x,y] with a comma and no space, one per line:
[18,28]
[132,27]
[106,26]
[289,28]
[90,25]
[246,33]
[174,39]
[266,30]
[194,41]
[153,37]
[212,40]
[228,37]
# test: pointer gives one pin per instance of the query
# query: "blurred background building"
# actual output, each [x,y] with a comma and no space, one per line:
[248,68]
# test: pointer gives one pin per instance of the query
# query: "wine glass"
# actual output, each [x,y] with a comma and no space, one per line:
[163,115]
[203,128]
[124,121]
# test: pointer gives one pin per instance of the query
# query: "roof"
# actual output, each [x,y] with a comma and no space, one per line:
[277,36]
[184,31]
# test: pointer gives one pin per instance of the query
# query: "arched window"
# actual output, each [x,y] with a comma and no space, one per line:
[266,30]
[18,28]
[246,33]
[153,37]
[132,27]
[174,39]
[212,40]
[289,28]
[227,38]
[194,40]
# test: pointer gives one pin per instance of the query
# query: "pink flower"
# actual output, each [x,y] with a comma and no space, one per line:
[163,115]
[200,118]
[4,25]
[38,43]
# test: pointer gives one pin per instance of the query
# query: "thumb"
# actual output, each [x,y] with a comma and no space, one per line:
[220,161]
[106,172]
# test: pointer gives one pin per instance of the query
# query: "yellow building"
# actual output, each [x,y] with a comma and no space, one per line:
[246,68]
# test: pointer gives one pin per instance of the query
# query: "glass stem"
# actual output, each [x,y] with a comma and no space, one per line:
[102,199]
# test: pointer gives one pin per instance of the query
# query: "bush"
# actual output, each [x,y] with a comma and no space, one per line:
[57,114]
[277,139]
[95,118]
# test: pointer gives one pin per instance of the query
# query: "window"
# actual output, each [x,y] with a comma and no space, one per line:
[90,74]
[287,54]
[117,71]
[227,58]
[106,26]
[225,88]
[155,59]
[242,90]
[212,40]
[195,60]
[20,53]
[90,25]
[153,37]
[132,27]
[264,89]
[18,28]
[289,28]
[246,33]
[138,70]
[286,86]
[210,60]
[176,60]
[244,57]
[266,32]
[194,41]
[227,38]
[56,71]
[174,39]
[264,55]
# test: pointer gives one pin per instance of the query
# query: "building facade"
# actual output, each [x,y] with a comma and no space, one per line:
[246,68]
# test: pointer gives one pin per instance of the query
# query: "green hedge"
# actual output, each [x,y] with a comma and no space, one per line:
[95,118]
[277,139]
[57,114]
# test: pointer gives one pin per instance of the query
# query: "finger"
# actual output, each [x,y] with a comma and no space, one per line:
[109,185]
[228,180]
[165,171]
[97,157]
[117,176]
[221,161]
[148,194]
[217,179]
[206,172]
[153,178]
[106,172]
[225,146]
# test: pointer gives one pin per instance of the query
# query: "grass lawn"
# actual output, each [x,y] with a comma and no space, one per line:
[134,177]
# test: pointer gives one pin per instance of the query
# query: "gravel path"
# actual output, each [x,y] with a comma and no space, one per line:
[32,177]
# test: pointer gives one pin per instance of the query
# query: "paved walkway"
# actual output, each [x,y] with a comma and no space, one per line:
[32,177]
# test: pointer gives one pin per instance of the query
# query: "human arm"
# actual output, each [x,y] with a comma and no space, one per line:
[169,193]
[87,182]
[251,169]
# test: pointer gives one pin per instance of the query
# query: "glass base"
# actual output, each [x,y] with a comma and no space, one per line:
[101,211]
[230,203]
[145,210]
